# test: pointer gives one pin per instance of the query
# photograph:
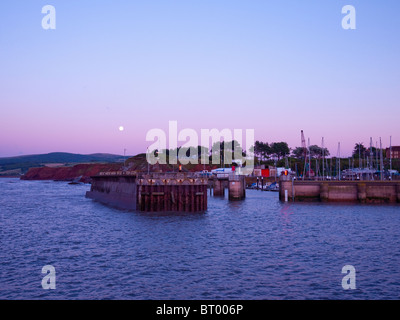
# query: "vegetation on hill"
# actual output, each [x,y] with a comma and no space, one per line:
[21,164]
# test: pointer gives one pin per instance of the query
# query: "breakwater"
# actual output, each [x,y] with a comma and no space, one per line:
[339,191]
[153,192]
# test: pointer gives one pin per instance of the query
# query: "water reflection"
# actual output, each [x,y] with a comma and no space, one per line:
[257,248]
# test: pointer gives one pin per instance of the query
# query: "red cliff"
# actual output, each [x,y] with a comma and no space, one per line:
[84,171]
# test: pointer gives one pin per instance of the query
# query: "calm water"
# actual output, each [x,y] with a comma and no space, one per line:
[255,249]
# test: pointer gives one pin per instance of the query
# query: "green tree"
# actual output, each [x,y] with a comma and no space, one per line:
[359,150]
[280,149]
[266,150]
[298,153]
[227,150]
[262,150]
[318,152]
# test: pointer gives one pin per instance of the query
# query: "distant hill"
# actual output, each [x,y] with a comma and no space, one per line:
[23,163]
[84,171]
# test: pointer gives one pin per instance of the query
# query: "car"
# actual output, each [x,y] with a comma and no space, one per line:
[205,173]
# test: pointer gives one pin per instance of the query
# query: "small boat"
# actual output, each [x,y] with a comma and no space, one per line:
[273,187]
[76,181]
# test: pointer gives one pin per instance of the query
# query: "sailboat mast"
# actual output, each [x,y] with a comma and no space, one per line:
[309,159]
[390,157]
[339,159]
[371,153]
[303,146]
[381,155]
[323,159]
[376,155]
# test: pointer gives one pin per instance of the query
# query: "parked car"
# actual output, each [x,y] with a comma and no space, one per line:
[205,173]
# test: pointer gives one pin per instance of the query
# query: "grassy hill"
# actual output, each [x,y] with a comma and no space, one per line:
[21,164]
[67,166]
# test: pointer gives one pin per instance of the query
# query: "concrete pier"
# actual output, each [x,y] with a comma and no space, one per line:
[181,192]
[237,187]
[116,190]
[219,187]
[398,192]
[340,191]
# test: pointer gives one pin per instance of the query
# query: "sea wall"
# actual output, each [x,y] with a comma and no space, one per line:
[155,192]
[175,192]
[118,191]
[340,191]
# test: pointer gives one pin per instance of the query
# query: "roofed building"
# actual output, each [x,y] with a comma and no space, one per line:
[395,152]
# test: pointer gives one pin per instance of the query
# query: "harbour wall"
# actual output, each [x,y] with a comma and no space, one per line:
[119,191]
[155,192]
[179,192]
[339,191]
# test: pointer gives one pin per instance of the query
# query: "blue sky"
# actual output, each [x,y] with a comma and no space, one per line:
[277,67]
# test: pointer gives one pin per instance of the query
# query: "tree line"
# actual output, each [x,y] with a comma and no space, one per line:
[278,153]
[280,150]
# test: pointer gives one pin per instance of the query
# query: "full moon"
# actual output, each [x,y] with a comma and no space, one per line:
[121,128]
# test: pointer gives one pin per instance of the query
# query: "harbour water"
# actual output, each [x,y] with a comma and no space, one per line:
[258,248]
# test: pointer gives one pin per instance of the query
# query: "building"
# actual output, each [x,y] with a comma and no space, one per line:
[395,152]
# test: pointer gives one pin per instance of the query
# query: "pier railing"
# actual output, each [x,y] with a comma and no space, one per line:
[118,173]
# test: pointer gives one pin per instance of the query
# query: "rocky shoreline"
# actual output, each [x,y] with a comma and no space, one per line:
[79,172]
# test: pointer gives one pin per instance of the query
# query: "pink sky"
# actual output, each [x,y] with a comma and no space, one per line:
[141,65]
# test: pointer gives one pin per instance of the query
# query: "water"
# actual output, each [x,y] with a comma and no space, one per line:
[259,248]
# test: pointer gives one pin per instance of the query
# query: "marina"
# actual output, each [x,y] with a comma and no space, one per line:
[188,192]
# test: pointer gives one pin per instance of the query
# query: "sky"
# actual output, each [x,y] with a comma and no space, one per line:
[277,67]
